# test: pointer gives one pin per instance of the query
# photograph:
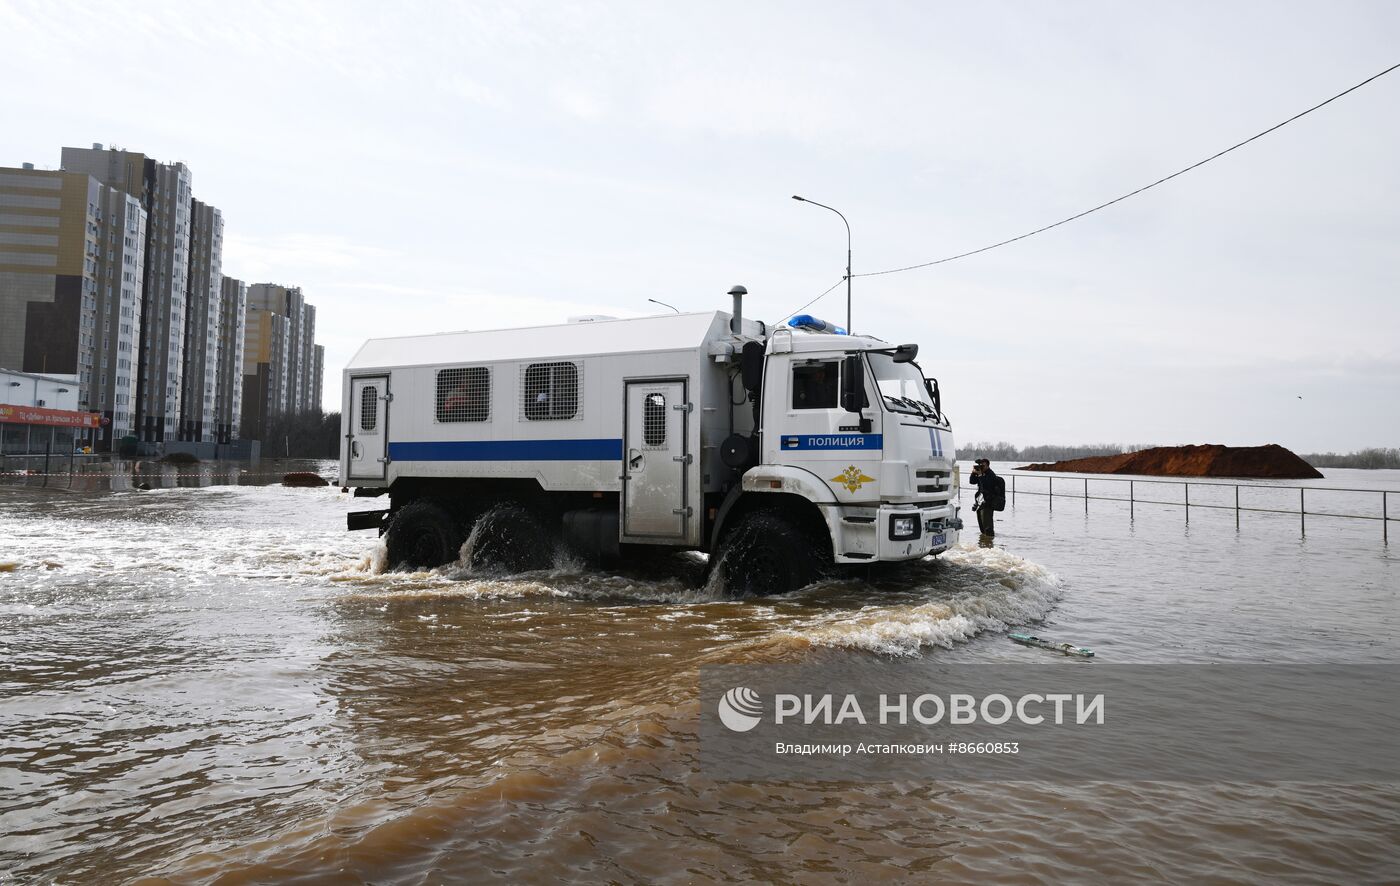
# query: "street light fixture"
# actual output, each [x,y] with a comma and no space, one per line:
[848,252]
[664,305]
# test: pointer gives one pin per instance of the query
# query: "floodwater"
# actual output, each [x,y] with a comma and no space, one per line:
[218,683]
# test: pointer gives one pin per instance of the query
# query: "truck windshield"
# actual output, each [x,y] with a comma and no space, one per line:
[901,385]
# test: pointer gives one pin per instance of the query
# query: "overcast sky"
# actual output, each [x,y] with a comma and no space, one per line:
[422,167]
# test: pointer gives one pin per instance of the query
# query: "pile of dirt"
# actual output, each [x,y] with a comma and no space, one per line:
[1271,462]
[304,479]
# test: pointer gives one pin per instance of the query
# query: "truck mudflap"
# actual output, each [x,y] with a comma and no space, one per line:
[356,520]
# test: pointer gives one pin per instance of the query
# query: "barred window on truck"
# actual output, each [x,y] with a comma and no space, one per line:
[549,391]
[464,394]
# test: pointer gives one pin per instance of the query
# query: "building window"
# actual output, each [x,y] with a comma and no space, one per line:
[814,386]
[549,391]
[464,394]
[654,420]
[369,408]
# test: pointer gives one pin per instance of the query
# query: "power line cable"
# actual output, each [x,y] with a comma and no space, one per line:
[1079,215]
[1163,180]
[813,301]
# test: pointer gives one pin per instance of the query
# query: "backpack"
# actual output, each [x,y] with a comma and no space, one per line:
[996,496]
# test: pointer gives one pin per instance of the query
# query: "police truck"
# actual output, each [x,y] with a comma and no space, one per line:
[784,453]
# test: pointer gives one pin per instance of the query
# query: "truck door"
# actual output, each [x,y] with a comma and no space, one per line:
[805,425]
[369,427]
[655,458]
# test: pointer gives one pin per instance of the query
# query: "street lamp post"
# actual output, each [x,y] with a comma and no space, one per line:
[848,252]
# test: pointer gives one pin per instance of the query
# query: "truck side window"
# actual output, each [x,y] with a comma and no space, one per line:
[369,407]
[464,394]
[654,420]
[549,391]
[814,386]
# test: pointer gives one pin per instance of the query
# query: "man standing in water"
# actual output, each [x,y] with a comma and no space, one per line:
[991,495]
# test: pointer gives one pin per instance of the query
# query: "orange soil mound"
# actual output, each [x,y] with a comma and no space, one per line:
[304,478]
[1271,462]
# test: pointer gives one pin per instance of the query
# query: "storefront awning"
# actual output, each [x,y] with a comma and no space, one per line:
[58,418]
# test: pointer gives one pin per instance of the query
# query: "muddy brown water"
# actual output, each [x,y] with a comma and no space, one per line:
[216,683]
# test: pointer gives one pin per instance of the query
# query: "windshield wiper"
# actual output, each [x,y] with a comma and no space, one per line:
[919,406]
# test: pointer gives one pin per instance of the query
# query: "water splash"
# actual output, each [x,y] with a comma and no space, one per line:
[975,590]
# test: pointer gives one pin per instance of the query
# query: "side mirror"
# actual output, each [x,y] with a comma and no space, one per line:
[751,365]
[905,353]
[853,384]
[932,385]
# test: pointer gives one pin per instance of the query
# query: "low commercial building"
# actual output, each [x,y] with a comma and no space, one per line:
[40,413]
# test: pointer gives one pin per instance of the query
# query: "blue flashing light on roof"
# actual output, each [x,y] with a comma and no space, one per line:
[815,324]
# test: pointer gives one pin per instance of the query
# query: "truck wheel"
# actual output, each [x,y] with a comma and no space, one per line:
[767,554]
[423,534]
[511,538]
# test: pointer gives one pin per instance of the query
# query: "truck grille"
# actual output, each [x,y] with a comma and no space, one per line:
[939,480]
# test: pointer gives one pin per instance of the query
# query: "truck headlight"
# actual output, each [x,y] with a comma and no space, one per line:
[904,527]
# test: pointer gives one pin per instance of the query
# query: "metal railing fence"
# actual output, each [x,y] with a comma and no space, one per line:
[1078,488]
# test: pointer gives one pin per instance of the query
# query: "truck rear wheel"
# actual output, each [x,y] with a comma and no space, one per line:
[767,554]
[510,537]
[424,534]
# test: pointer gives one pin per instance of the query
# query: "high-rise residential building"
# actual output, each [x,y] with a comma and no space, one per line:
[228,395]
[318,375]
[203,316]
[283,367]
[264,368]
[164,191]
[71,286]
[111,275]
[300,387]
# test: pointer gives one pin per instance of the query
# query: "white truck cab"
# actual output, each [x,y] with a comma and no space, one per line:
[782,452]
[880,468]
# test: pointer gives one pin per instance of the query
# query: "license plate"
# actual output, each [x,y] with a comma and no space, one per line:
[938,539]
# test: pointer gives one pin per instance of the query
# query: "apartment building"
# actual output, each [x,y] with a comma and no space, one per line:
[265,354]
[228,393]
[72,286]
[164,191]
[203,317]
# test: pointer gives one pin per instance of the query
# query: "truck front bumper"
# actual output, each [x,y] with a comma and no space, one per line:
[893,532]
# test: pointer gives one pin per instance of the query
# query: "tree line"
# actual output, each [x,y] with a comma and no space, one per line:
[1362,458]
[1003,451]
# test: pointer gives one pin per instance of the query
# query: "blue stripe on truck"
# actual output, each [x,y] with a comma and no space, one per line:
[508,450]
[832,441]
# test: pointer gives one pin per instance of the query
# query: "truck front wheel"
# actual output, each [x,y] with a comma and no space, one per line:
[423,534]
[767,554]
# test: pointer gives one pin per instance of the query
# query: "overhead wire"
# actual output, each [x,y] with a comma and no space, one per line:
[813,301]
[1106,204]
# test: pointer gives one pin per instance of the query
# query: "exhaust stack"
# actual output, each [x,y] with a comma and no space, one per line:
[736,323]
